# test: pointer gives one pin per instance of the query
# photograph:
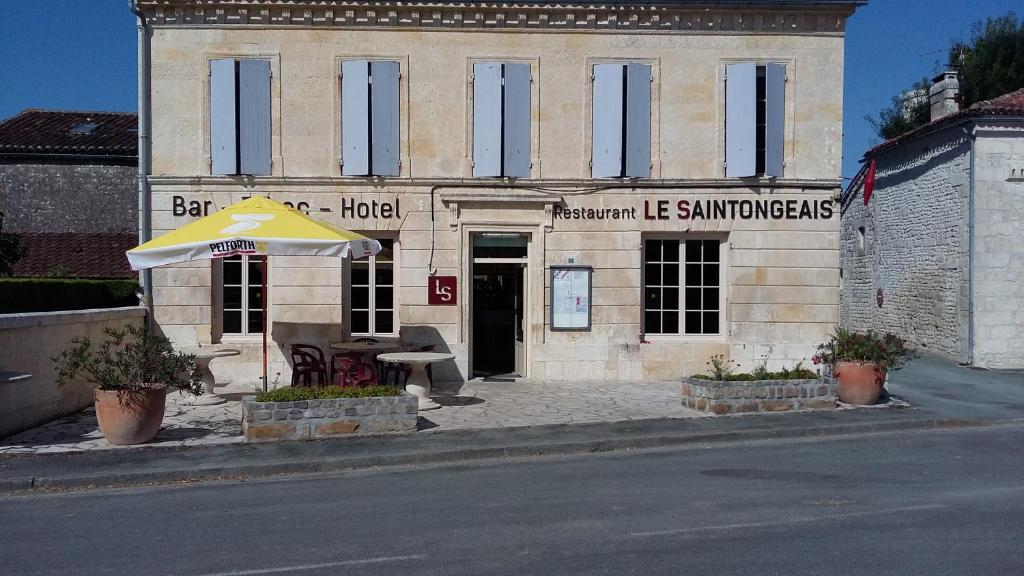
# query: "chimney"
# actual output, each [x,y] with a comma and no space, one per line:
[944,95]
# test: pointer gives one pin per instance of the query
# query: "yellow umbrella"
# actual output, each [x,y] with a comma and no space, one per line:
[256,226]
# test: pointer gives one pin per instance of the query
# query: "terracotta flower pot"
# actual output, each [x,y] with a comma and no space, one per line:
[859,382]
[130,417]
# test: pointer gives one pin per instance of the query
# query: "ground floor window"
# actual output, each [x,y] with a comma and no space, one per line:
[682,286]
[372,293]
[243,304]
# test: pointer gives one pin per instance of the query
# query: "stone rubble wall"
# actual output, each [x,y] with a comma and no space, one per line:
[733,397]
[309,419]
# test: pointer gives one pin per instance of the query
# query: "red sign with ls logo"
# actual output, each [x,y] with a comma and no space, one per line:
[442,290]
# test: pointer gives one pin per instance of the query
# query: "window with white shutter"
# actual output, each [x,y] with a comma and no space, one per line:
[240,117]
[755,110]
[501,120]
[369,118]
[621,124]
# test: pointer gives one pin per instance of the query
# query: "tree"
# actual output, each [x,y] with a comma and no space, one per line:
[992,63]
[906,112]
[11,250]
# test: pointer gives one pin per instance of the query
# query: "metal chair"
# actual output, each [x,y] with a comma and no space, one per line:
[366,339]
[349,371]
[307,362]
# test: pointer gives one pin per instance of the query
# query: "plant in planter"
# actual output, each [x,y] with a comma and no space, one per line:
[132,370]
[860,362]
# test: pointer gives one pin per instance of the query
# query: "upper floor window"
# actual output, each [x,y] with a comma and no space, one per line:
[240,117]
[501,119]
[621,146]
[369,118]
[755,113]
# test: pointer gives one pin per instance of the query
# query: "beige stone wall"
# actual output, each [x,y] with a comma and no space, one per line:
[782,275]
[28,342]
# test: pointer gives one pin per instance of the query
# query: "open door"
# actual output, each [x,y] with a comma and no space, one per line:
[520,319]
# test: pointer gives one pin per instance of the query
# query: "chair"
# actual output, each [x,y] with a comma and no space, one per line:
[349,371]
[406,370]
[307,362]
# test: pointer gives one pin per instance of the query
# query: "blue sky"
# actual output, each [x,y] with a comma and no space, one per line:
[80,55]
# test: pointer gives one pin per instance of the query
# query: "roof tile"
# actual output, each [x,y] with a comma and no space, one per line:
[66,132]
[80,255]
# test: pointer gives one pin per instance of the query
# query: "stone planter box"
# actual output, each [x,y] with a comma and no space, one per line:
[308,419]
[731,397]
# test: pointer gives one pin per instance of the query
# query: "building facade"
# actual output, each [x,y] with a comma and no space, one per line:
[936,252]
[590,191]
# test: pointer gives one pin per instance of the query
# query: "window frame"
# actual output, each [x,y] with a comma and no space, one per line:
[587,119]
[761,112]
[403,112]
[218,308]
[470,121]
[371,263]
[372,171]
[274,120]
[723,266]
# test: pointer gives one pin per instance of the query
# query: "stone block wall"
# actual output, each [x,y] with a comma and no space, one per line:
[28,342]
[716,397]
[913,247]
[309,419]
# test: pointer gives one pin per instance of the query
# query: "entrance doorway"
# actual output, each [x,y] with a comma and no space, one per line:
[499,305]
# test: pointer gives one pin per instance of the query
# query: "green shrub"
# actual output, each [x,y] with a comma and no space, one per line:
[797,372]
[295,394]
[49,294]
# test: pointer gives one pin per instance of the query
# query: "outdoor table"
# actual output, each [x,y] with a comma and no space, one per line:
[418,384]
[205,355]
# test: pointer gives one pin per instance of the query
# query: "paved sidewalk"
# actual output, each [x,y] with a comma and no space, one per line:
[478,405]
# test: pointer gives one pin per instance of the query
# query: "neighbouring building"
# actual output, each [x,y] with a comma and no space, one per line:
[935,253]
[606,191]
[68,190]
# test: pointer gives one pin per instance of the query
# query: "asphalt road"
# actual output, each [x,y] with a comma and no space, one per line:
[928,503]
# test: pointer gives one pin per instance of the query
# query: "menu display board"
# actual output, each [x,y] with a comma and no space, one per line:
[570,297]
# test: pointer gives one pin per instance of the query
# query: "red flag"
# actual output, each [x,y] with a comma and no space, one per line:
[869,182]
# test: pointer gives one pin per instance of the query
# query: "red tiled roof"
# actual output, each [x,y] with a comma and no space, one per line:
[1011,104]
[82,255]
[60,132]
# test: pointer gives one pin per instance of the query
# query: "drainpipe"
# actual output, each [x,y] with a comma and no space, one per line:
[971,137]
[145,217]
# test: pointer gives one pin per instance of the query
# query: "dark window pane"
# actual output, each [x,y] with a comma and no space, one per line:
[652,298]
[232,298]
[652,274]
[670,274]
[255,297]
[693,248]
[711,298]
[256,322]
[693,323]
[232,271]
[387,251]
[385,298]
[360,322]
[652,250]
[232,322]
[652,322]
[711,250]
[384,322]
[693,298]
[671,251]
[360,275]
[670,323]
[670,298]
[360,298]
[692,275]
[255,271]
[711,322]
[711,274]
[385,275]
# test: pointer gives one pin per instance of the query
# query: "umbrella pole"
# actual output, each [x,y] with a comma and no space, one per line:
[266,311]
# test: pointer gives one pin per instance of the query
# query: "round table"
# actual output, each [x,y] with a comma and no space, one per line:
[203,358]
[418,384]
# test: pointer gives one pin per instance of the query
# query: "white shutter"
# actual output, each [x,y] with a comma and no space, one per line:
[384,121]
[254,116]
[638,120]
[775,118]
[606,147]
[487,119]
[517,120]
[355,118]
[741,120]
[223,127]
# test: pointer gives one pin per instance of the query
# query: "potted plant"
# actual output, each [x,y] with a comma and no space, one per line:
[860,362]
[132,370]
